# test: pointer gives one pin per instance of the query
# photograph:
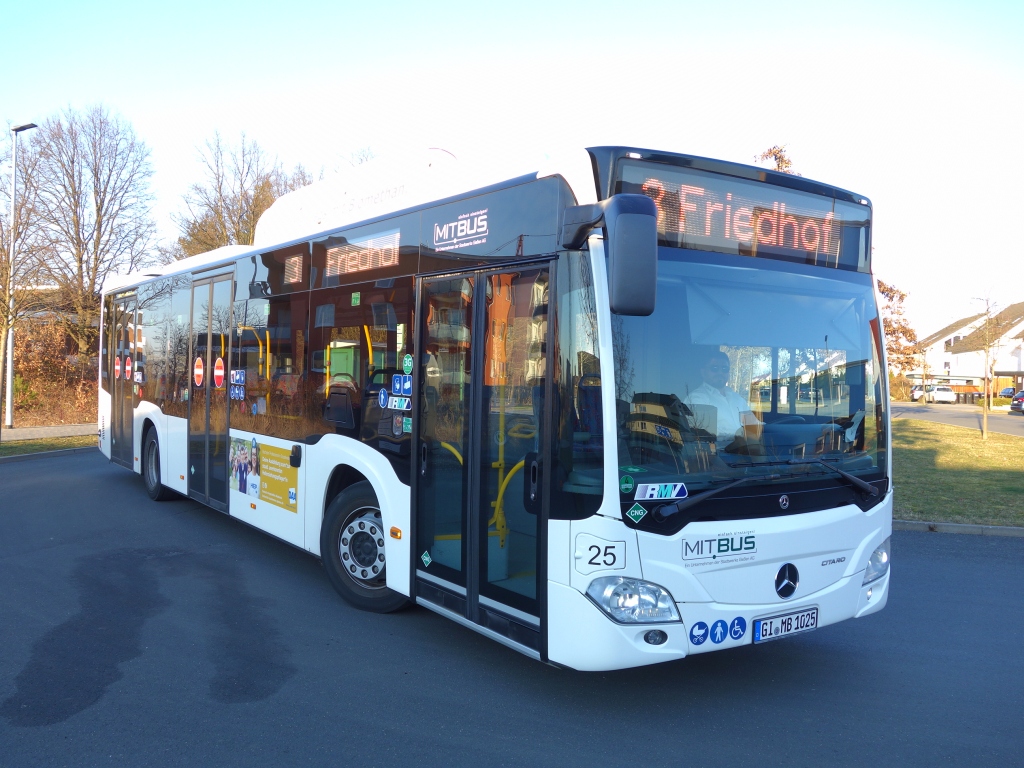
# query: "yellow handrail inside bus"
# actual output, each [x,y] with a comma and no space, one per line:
[499,513]
[522,431]
[258,340]
[452,449]
[369,347]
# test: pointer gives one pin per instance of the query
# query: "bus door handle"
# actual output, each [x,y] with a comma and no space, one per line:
[531,483]
[423,458]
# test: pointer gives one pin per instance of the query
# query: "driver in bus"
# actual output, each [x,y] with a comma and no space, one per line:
[733,411]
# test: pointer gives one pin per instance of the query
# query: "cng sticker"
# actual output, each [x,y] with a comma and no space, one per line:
[427,559]
[407,364]
[626,484]
[650,491]
[218,373]
[197,372]
[636,513]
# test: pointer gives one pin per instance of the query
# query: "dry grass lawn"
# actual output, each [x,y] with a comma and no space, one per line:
[950,475]
[18,447]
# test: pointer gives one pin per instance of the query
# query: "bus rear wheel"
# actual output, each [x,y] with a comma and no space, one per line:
[151,469]
[352,550]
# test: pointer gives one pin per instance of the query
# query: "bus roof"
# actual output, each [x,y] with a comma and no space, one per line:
[377,190]
[407,182]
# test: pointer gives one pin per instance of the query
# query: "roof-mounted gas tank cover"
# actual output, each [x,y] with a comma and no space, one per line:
[631,226]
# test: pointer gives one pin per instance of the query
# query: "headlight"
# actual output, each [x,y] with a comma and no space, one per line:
[878,564]
[632,601]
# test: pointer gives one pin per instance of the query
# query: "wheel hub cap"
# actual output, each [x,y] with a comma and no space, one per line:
[362,546]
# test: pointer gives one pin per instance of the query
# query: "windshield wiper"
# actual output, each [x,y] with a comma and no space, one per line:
[861,484]
[664,512]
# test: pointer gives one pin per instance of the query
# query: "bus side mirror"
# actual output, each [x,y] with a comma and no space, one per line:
[631,226]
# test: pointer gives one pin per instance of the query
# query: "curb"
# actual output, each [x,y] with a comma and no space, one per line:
[977,530]
[44,455]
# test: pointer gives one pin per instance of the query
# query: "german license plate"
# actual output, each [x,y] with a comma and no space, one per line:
[785,624]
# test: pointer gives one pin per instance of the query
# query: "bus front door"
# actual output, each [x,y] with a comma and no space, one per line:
[478,505]
[122,400]
[208,402]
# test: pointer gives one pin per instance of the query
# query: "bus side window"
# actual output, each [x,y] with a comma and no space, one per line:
[358,335]
[175,340]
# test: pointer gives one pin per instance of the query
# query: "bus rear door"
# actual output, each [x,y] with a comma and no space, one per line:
[208,401]
[122,394]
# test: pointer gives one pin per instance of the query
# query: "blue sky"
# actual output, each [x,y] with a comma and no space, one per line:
[915,105]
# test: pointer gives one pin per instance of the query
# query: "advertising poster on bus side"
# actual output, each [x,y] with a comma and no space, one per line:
[265,472]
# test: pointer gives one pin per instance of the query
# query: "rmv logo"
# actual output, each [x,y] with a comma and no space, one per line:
[652,491]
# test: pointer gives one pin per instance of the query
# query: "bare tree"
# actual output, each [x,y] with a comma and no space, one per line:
[990,334]
[93,210]
[19,287]
[240,183]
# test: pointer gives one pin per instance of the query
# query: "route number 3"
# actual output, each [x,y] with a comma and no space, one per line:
[594,554]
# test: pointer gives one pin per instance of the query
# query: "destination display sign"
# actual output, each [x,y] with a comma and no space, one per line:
[365,253]
[714,212]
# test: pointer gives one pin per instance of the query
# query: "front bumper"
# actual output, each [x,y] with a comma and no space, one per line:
[583,637]
[845,599]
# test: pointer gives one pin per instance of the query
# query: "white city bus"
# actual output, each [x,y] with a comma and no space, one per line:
[609,413]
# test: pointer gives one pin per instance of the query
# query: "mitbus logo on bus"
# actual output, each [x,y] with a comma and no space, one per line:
[467,229]
[699,212]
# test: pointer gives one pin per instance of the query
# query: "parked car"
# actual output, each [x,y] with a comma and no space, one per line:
[1006,392]
[940,394]
[1017,403]
[916,391]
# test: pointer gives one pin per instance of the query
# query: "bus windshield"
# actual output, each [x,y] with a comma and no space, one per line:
[741,371]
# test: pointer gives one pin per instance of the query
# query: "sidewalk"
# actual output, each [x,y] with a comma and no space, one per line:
[36,433]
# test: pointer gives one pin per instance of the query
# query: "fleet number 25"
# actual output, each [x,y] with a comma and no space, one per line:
[593,553]
[599,557]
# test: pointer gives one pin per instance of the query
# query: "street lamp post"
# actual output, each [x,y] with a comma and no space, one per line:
[9,401]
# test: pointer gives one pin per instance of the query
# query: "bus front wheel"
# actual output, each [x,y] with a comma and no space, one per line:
[151,469]
[352,550]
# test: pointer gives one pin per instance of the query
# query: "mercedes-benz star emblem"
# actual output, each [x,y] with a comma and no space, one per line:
[784,501]
[787,580]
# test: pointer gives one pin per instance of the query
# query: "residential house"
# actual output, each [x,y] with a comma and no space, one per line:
[955,354]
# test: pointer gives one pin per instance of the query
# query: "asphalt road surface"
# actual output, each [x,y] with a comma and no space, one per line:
[960,416]
[137,633]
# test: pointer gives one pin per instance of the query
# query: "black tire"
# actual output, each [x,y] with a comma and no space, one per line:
[352,551]
[151,469]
